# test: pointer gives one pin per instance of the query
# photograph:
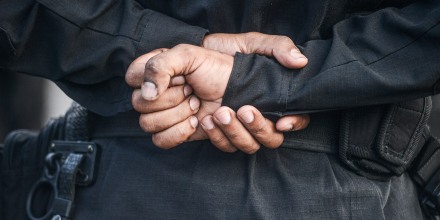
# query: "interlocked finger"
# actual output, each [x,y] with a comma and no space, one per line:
[159,121]
[216,136]
[225,118]
[172,97]
[175,135]
[262,129]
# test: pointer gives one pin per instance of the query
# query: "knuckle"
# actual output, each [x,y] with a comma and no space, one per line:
[226,148]
[184,110]
[157,140]
[161,142]
[234,135]
[146,124]
[252,148]
[138,103]
[284,39]
[166,140]
[222,143]
[135,101]
[130,79]
[219,141]
[174,98]
[137,106]
[153,65]
[274,142]
[185,48]
[259,129]
[247,145]
[181,134]
[229,149]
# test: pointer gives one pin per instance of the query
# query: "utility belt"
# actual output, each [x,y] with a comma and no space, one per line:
[381,142]
[377,142]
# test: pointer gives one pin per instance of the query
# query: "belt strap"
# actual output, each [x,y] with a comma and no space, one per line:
[322,134]
[124,124]
[426,173]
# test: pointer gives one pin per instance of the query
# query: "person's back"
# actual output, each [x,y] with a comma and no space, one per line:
[304,178]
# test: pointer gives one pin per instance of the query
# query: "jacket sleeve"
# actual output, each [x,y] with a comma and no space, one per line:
[387,56]
[86,46]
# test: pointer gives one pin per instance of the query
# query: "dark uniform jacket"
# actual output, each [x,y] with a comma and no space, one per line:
[358,54]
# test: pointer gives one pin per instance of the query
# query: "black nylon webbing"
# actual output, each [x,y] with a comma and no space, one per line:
[427,163]
[322,134]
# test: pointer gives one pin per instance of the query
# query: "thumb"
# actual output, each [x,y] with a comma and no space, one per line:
[134,76]
[290,57]
[292,122]
[180,60]
[280,47]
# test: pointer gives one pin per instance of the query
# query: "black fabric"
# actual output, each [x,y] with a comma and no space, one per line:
[197,181]
[426,173]
[358,55]
[85,47]
[1,185]
[401,138]
[387,56]
[318,137]
[381,56]
[6,47]
[380,142]
[428,163]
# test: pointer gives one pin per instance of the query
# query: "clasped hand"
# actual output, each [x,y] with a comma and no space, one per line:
[178,88]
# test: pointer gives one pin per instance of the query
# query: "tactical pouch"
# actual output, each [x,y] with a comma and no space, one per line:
[379,142]
[39,171]
[22,164]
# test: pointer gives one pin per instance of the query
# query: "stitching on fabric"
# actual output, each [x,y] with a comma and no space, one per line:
[405,46]
[421,172]
[408,109]
[404,157]
[342,64]
[289,91]
[389,54]
[389,125]
[87,27]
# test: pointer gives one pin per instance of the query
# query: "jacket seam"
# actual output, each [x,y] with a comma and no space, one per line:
[404,46]
[91,28]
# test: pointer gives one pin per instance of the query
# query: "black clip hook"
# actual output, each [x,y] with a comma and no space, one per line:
[62,166]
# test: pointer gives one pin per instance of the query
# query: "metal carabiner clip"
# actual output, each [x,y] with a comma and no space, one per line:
[46,184]
[66,162]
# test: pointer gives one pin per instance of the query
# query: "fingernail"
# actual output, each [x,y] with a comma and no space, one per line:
[286,127]
[224,117]
[149,90]
[296,54]
[187,90]
[247,117]
[208,123]
[193,120]
[194,103]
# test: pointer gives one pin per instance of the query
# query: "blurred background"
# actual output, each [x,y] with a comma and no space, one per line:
[29,102]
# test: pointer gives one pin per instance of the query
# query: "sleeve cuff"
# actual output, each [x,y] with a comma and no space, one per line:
[258,81]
